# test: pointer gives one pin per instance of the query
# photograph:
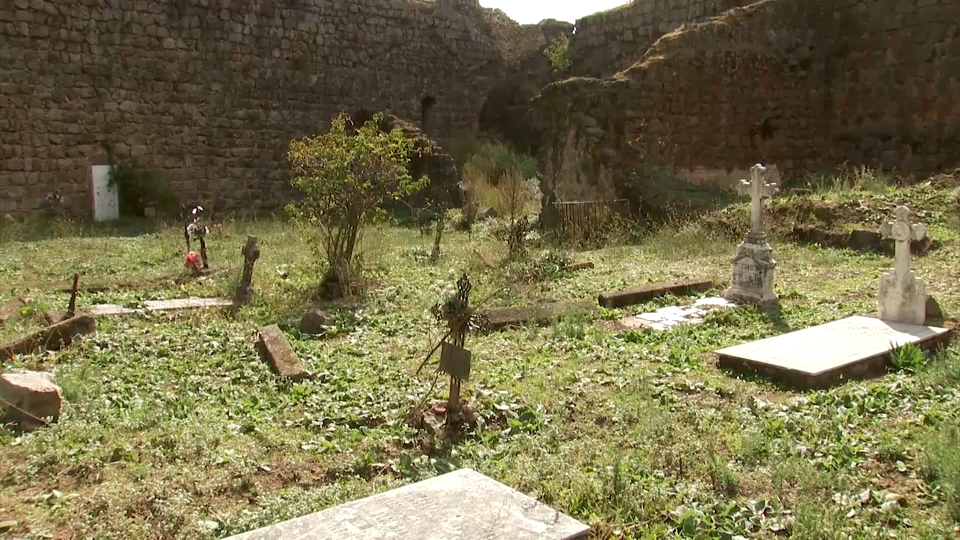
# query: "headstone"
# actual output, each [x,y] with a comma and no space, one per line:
[51,338]
[461,505]
[29,399]
[104,199]
[902,296]
[275,350]
[851,348]
[250,252]
[316,322]
[753,266]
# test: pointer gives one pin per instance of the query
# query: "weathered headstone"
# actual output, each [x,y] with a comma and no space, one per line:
[753,266]
[51,338]
[250,252]
[902,296]
[103,196]
[29,399]
[275,350]
[461,505]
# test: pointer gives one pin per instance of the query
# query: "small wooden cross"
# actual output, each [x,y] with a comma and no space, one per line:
[902,232]
[250,252]
[758,189]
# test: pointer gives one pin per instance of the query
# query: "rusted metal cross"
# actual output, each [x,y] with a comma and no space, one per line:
[455,359]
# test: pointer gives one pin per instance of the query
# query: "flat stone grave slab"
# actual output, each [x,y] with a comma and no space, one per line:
[460,505]
[618,299]
[671,316]
[541,314]
[177,304]
[853,348]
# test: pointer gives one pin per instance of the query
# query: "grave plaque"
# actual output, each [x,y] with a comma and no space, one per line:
[455,361]
[461,505]
[103,198]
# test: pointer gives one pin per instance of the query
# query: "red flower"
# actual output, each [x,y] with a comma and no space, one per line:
[192,260]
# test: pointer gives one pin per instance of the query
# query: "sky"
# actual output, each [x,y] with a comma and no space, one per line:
[534,11]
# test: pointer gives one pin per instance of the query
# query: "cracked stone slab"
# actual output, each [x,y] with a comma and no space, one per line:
[671,316]
[460,505]
[176,304]
[852,348]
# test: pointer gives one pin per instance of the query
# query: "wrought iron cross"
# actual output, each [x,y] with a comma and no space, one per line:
[758,189]
[454,357]
[902,233]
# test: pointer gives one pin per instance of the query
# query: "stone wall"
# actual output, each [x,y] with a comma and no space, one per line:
[807,85]
[612,40]
[209,92]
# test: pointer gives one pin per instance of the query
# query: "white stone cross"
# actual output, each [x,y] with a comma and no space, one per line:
[902,232]
[902,296]
[758,188]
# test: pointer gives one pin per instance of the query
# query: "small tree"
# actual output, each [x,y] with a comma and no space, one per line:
[518,194]
[345,174]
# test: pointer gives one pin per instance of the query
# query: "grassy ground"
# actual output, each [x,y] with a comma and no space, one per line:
[173,428]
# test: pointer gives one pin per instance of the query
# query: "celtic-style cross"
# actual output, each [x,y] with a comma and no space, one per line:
[758,188]
[902,233]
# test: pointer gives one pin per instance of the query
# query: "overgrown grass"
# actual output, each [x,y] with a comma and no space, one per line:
[173,428]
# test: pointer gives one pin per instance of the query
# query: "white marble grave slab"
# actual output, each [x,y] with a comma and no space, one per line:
[460,505]
[106,203]
[847,348]
[671,316]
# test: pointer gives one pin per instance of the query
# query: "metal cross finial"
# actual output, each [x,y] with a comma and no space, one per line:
[902,233]
[758,189]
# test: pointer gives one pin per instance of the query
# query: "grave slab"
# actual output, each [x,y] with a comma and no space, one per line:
[618,299]
[501,318]
[51,338]
[853,348]
[275,350]
[10,309]
[186,303]
[460,505]
[670,316]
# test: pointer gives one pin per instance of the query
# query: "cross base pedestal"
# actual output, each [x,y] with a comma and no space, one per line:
[753,273]
[902,298]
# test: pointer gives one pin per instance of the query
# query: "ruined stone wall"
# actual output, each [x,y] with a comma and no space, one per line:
[209,92]
[807,85]
[612,40]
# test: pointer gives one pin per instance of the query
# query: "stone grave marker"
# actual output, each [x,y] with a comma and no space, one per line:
[250,252]
[754,265]
[29,399]
[51,338]
[275,350]
[671,316]
[461,505]
[902,296]
[618,299]
[103,197]
[852,348]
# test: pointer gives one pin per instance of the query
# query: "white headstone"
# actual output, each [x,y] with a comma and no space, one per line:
[106,204]
[902,296]
[754,265]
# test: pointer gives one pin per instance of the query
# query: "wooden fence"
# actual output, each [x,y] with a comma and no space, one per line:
[582,221]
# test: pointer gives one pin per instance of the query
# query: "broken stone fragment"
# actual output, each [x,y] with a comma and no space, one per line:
[29,399]
[316,322]
[275,350]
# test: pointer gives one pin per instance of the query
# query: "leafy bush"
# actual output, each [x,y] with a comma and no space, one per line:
[558,52]
[345,174]
[138,189]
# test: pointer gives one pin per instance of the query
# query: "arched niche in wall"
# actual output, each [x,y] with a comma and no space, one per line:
[426,106]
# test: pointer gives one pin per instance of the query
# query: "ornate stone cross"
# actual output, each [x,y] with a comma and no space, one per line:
[902,296]
[758,188]
[251,252]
